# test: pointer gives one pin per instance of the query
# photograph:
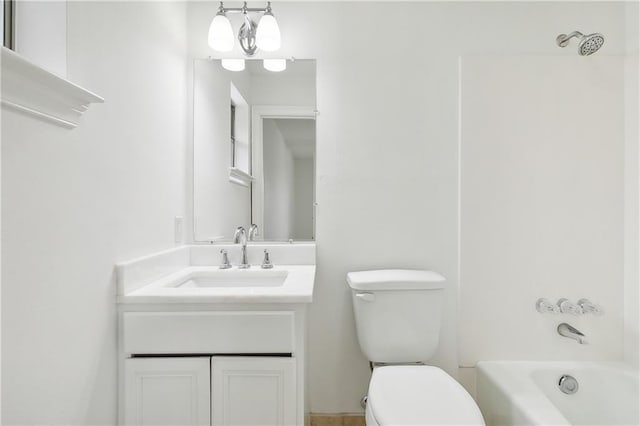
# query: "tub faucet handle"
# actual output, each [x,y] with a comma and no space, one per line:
[266,263]
[566,307]
[545,307]
[590,308]
[225,260]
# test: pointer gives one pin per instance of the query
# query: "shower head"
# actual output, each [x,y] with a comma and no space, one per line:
[588,45]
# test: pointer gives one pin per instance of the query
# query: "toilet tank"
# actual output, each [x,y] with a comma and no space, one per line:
[398,313]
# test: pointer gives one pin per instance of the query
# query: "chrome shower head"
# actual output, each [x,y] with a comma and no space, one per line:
[588,45]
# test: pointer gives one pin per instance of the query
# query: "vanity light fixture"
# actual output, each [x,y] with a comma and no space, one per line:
[265,35]
[275,65]
[233,64]
[268,33]
[220,32]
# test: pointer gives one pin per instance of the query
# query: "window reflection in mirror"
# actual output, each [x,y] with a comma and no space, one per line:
[254,151]
[7,20]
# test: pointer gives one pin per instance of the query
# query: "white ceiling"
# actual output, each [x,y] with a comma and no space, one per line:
[299,135]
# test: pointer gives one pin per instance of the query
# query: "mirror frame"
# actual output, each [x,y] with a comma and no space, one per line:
[258,114]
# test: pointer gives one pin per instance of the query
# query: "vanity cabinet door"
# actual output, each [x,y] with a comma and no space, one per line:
[253,391]
[167,391]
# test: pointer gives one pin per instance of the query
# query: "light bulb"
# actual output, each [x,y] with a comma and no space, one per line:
[221,33]
[275,65]
[268,33]
[233,64]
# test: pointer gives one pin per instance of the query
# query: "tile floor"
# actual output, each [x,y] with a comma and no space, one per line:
[337,420]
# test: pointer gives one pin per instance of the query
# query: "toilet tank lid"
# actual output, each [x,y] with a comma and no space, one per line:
[395,279]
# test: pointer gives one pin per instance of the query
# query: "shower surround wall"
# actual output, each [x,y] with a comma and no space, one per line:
[632,189]
[542,202]
[387,152]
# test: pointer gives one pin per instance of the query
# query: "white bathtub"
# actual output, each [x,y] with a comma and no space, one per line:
[527,393]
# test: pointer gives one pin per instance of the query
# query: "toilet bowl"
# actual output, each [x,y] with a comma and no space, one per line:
[418,395]
[398,315]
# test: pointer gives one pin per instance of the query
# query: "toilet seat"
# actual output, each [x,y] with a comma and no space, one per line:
[418,395]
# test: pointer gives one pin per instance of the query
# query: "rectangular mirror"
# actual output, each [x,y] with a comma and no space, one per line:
[254,139]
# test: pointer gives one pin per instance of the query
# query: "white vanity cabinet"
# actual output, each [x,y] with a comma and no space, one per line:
[202,391]
[200,345]
[216,365]
[167,391]
[253,391]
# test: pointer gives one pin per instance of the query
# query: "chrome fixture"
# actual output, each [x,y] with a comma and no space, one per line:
[590,308]
[253,232]
[568,384]
[363,402]
[225,260]
[564,306]
[567,307]
[247,34]
[588,44]
[240,237]
[565,330]
[264,36]
[266,263]
[544,306]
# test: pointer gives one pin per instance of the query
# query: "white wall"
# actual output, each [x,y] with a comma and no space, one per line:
[220,205]
[290,89]
[278,166]
[378,99]
[303,170]
[76,202]
[542,190]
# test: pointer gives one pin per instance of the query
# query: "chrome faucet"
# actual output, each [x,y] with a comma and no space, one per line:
[240,237]
[566,330]
[253,232]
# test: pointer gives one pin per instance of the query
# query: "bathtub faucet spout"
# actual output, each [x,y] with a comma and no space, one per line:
[566,330]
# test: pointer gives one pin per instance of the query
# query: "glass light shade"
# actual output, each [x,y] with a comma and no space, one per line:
[275,65]
[268,33]
[233,64]
[221,34]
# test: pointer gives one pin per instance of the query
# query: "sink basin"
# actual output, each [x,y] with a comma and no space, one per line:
[207,284]
[232,278]
[191,275]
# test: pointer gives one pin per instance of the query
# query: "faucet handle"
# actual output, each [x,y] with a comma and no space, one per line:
[225,260]
[590,308]
[544,306]
[266,263]
[566,307]
[253,232]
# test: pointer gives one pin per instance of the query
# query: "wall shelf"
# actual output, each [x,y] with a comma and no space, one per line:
[240,177]
[34,91]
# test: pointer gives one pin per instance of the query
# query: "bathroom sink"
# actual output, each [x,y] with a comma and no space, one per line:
[209,284]
[232,278]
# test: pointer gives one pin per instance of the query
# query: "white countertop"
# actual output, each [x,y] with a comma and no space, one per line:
[296,288]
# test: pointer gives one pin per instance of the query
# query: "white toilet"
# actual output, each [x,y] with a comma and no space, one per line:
[398,315]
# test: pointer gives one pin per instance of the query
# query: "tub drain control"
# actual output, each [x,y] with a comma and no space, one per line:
[568,384]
